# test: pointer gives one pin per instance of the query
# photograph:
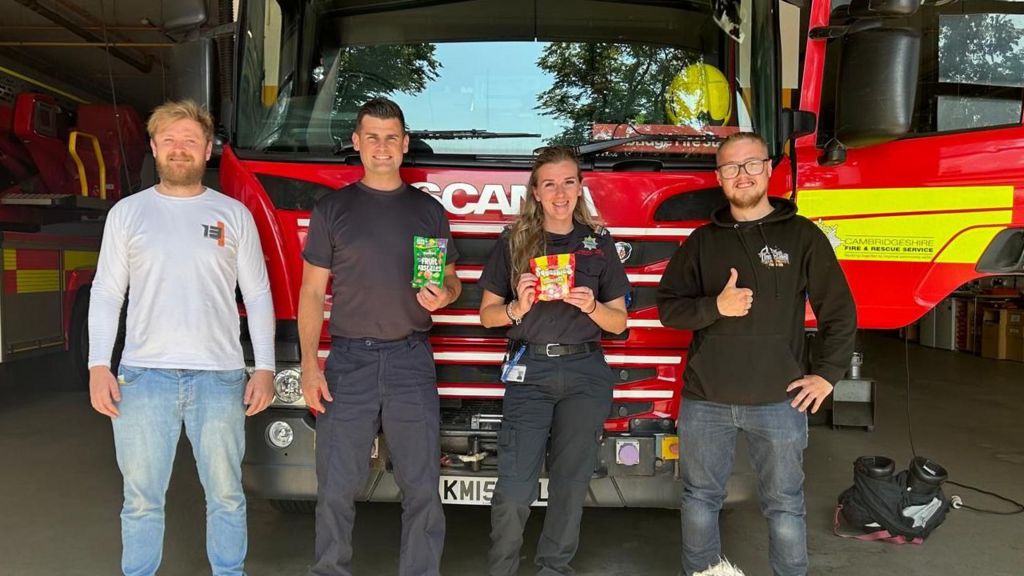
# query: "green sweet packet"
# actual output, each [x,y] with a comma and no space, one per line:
[428,256]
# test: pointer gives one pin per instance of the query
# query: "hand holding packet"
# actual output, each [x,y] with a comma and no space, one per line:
[555,274]
[428,255]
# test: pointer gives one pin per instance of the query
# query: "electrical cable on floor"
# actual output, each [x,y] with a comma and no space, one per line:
[957,501]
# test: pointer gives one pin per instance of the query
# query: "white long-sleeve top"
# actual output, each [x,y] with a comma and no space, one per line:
[180,259]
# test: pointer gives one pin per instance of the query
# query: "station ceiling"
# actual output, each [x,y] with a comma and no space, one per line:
[97,50]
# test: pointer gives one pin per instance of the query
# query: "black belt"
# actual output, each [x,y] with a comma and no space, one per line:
[555,350]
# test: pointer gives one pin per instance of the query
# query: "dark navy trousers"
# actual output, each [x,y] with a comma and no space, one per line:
[567,398]
[379,384]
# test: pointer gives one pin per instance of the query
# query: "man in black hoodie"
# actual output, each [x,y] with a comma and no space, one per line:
[741,284]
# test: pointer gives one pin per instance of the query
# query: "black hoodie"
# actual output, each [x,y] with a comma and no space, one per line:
[785,259]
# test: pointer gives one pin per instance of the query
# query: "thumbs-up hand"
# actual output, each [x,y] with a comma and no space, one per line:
[734,301]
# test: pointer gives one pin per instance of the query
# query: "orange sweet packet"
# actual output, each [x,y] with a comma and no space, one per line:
[555,275]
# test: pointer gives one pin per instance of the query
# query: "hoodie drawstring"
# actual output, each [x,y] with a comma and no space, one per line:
[746,250]
[771,255]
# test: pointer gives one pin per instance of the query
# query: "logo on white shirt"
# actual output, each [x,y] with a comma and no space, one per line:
[214,232]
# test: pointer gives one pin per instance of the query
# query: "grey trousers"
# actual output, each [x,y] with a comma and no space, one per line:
[567,398]
[373,384]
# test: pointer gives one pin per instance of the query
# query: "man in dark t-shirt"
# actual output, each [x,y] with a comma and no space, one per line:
[380,370]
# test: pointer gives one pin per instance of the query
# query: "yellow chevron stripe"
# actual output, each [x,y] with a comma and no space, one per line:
[826,203]
[79,259]
[910,224]
[32,281]
[912,238]
[10,259]
[968,247]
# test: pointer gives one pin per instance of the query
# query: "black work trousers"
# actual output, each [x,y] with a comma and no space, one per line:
[566,398]
[373,384]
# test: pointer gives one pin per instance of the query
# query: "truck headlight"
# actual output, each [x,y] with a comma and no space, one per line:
[288,385]
[280,434]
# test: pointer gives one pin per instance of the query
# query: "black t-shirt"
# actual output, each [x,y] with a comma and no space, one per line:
[365,237]
[597,267]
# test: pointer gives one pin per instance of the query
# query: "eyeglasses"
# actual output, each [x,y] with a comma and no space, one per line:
[751,167]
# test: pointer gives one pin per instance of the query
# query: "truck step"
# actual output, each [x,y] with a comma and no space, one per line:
[57,200]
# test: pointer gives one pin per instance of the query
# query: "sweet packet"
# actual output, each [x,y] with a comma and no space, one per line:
[556,275]
[428,255]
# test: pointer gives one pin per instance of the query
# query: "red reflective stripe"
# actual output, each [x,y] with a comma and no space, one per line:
[37,259]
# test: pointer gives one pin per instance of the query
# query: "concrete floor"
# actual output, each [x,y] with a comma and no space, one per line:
[60,490]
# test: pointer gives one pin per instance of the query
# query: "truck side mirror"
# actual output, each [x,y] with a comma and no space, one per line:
[183,14]
[877,85]
[797,123]
[194,72]
[192,62]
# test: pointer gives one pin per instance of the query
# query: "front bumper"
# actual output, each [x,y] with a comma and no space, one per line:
[290,473]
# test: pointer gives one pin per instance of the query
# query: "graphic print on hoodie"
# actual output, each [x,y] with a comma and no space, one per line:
[785,260]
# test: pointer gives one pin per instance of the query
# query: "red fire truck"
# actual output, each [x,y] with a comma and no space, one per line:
[63,163]
[894,124]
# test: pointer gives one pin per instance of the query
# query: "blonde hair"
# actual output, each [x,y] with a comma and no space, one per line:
[172,111]
[739,137]
[527,238]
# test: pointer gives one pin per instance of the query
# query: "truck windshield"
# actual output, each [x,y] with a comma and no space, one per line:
[497,77]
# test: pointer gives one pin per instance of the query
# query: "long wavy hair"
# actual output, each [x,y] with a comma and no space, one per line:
[527,238]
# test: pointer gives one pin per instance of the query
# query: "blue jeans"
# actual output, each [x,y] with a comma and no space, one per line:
[154,405]
[777,436]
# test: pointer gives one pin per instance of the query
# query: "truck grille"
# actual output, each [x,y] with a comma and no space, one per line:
[466,414]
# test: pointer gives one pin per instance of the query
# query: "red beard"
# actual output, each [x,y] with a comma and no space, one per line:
[744,201]
[180,174]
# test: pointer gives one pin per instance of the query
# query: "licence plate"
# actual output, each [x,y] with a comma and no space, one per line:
[477,490]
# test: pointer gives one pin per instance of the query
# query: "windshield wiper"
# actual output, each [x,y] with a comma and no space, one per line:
[472,134]
[602,145]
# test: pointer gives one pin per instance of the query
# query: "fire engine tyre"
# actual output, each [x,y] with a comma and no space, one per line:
[294,506]
[78,337]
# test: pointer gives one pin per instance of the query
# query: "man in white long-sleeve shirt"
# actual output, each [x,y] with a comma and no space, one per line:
[179,249]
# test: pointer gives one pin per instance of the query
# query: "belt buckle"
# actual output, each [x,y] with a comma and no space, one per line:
[547,350]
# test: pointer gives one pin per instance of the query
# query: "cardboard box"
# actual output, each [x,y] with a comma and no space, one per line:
[1002,334]
[994,325]
[1015,342]
[991,345]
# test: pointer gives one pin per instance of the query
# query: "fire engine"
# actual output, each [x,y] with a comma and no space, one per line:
[63,163]
[894,124]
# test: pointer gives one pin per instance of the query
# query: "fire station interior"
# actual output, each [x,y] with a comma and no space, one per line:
[949,386]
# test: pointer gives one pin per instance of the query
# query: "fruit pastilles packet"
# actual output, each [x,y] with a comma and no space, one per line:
[428,255]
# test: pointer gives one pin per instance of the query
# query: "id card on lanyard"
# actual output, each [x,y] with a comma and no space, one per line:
[512,370]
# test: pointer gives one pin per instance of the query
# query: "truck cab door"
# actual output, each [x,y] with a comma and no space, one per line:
[914,172]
